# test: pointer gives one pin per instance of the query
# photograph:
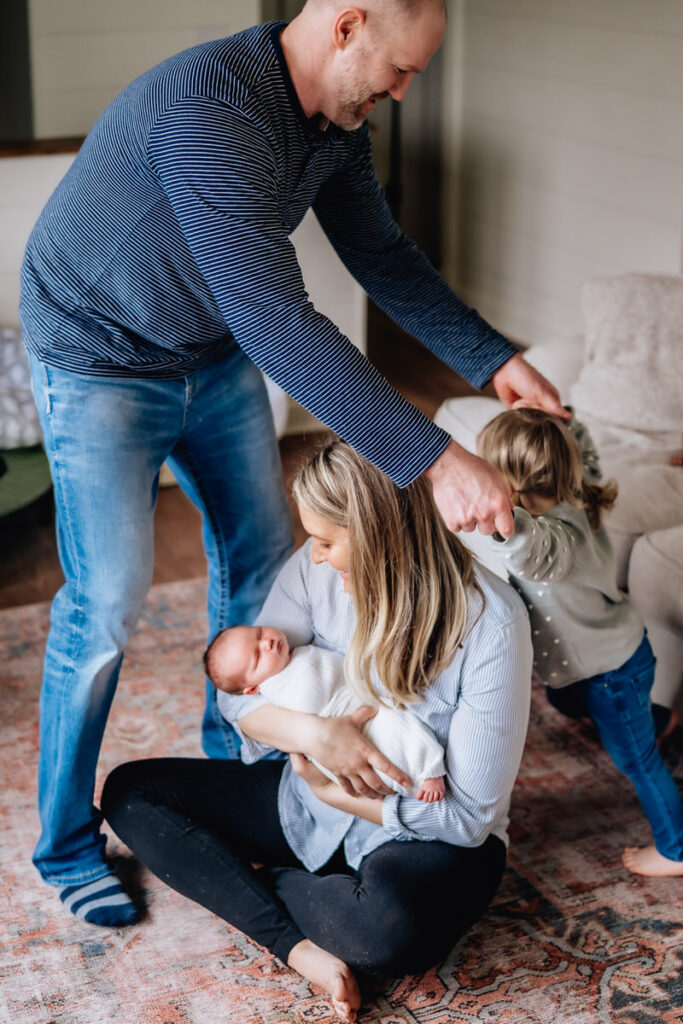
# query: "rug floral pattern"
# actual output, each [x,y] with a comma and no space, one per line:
[572,937]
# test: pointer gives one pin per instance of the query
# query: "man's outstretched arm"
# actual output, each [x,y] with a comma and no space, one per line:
[468,492]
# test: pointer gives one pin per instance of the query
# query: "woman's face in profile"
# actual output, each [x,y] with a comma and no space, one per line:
[330,543]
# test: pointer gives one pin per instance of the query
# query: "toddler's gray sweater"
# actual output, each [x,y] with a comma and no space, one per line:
[581,623]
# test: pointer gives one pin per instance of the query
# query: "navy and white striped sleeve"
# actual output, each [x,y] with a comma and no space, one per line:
[220,175]
[485,741]
[354,214]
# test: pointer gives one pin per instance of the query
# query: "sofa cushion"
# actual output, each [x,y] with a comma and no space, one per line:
[559,362]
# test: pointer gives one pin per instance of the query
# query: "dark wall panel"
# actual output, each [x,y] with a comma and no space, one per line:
[16,121]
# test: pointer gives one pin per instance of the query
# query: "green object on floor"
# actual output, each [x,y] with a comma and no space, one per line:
[26,478]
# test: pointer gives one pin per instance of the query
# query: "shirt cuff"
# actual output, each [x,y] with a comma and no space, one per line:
[391,822]
[524,528]
[230,707]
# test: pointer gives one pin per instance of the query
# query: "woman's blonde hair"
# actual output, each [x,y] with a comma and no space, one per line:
[409,575]
[538,454]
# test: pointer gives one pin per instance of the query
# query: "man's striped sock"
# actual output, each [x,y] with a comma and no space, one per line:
[100,902]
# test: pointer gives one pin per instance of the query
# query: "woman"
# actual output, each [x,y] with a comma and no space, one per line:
[352,878]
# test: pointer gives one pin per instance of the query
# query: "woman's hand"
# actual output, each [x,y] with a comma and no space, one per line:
[339,745]
[333,795]
[313,777]
[336,743]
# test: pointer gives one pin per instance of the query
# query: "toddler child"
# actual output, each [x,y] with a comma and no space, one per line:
[258,659]
[590,647]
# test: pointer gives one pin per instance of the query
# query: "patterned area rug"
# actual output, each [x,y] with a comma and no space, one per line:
[572,937]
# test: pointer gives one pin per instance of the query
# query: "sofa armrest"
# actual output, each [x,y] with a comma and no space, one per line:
[463,418]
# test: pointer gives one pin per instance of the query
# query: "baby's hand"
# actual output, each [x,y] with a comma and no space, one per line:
[432,790]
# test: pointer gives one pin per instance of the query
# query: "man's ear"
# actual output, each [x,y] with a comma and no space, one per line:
[254,688]
[348,25]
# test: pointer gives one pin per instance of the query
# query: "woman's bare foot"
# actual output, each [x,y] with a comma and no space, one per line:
[647,861]
[330,973]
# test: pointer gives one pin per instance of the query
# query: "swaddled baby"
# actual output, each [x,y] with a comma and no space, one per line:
[258,659]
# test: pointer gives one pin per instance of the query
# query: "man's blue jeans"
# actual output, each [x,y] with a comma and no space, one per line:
[619,704]
[106,439]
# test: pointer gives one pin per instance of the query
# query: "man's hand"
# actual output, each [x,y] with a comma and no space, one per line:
[469,493]
[519,385]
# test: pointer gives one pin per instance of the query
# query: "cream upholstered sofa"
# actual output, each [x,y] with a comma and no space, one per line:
[625,381]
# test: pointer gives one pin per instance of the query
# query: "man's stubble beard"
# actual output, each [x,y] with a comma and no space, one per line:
[354,91]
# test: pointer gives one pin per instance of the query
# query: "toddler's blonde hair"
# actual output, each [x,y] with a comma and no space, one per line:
[538,454]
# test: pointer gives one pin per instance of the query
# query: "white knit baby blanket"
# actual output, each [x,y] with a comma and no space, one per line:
[314,682]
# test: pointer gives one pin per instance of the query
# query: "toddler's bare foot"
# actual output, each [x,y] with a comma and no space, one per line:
[432,790]
[648,861]
[330,973]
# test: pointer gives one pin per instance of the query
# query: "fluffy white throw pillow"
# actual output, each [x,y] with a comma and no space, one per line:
[632,377]
[19,424]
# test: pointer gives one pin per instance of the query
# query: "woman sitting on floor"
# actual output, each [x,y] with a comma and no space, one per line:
[336,879]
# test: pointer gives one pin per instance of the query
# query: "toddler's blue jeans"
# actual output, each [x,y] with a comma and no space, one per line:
[106,439]
[619,704]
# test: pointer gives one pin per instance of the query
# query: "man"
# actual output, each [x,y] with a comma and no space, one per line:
[159,273]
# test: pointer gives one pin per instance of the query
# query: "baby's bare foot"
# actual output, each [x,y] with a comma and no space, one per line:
[330,973]
[432,790]
[648,861]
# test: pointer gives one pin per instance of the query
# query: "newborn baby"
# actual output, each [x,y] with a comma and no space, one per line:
[258,659]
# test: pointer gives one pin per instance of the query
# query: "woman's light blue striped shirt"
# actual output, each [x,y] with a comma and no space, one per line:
[478,709]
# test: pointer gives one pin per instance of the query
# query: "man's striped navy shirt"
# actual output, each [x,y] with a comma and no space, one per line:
[168,241]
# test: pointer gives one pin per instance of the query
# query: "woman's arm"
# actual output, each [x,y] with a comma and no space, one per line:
[485,742]
[486,739]
[337,743]
[333,795]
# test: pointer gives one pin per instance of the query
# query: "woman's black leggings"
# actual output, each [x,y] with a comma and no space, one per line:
[198,825]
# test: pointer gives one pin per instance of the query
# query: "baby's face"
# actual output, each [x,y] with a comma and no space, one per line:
[253,654]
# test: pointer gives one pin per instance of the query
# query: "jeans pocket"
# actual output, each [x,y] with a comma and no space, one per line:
[642,684]
[631,694]
[40,386]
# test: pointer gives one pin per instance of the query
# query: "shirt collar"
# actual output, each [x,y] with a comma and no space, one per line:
[311,125]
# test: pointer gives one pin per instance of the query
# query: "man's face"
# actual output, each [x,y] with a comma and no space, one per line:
[368,70]
[253,654]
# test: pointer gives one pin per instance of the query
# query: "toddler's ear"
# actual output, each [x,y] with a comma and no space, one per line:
[254,688]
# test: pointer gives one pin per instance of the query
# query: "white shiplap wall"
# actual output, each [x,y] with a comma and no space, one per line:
[84,52]
[564,152]
[26,184]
